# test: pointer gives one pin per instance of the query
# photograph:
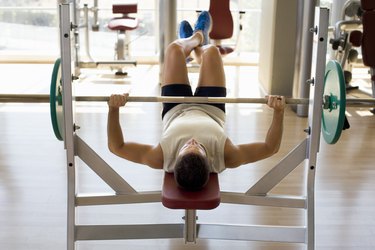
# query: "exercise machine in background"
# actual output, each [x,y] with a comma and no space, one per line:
[222,25]
[353,34]
[123,23]
[222,28]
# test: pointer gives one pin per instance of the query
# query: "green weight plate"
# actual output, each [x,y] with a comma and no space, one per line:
[56,109]
[333,116]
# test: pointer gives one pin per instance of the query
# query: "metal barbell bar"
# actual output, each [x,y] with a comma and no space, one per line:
[32,98]
[170,99]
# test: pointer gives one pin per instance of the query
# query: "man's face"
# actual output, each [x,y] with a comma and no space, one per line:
[192,146]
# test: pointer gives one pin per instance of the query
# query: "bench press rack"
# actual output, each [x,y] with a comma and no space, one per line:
[190,230]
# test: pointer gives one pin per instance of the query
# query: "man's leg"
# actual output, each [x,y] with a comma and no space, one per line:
[212,69]
[175,75]
[211,81]
[175,70]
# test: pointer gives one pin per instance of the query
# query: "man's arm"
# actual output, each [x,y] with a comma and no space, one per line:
[132,151]
[237,155]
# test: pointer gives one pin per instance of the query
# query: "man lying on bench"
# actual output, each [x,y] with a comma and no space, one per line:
[193,143]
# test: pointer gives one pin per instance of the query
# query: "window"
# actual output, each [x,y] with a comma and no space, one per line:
[30,28]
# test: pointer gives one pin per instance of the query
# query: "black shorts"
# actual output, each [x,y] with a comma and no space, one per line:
[185,90]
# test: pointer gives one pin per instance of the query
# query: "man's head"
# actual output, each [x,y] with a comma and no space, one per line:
[192,170]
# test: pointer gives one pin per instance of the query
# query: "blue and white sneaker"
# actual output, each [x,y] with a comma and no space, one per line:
[185,29]
[204,24]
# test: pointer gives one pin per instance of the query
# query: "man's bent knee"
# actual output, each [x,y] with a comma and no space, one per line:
[174,49]
[211,51]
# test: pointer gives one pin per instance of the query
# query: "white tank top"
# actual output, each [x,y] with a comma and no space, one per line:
[204,123]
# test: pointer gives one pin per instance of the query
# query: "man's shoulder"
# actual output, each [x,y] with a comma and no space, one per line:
[230,154]
[154,157]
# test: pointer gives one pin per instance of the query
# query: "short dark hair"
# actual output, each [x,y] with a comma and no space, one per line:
[192,171]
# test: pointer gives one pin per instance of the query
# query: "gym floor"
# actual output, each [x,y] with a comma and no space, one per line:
[33,173]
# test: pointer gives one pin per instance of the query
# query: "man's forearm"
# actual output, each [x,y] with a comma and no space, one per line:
[275,132]
[114,132]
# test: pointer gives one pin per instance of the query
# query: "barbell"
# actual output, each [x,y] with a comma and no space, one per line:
[43,98]
[333,115]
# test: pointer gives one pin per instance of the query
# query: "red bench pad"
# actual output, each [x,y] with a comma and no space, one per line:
[176,198]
